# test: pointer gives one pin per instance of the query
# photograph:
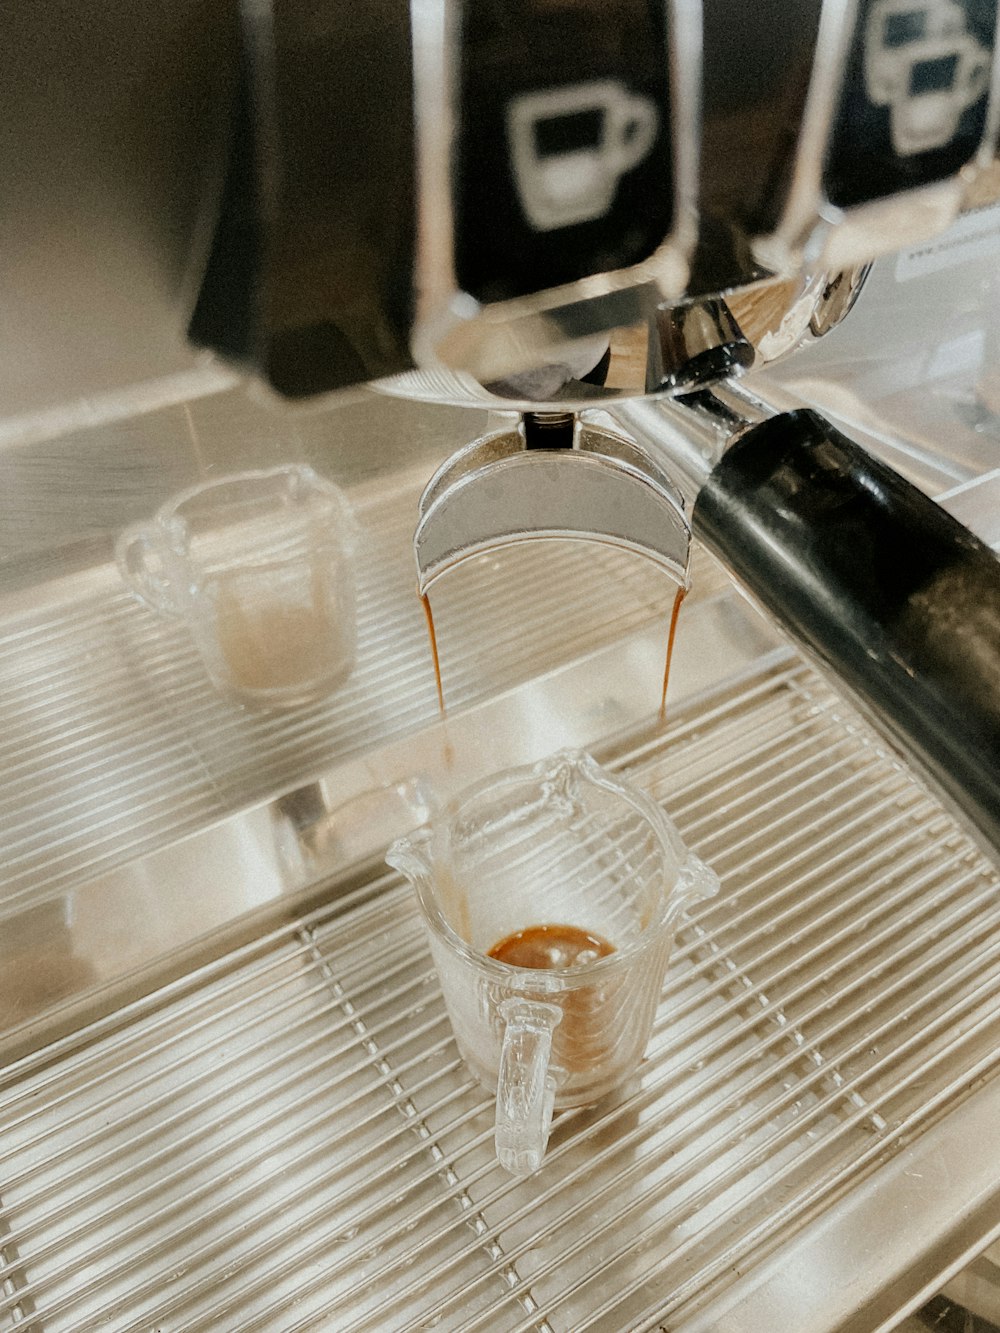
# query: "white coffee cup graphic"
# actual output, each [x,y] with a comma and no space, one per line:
[570,147]
[923,63]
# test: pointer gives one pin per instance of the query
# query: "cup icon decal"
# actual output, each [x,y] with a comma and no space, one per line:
[923,63]
[570,147]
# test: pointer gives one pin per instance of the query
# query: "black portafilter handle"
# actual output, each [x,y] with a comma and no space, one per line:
[878,583]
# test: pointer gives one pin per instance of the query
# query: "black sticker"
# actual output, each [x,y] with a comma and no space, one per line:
[914,102]
[563,159]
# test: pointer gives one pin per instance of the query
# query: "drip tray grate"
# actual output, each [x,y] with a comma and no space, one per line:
[116,744]
[288,1140]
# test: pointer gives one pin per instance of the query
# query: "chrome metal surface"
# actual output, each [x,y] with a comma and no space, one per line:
[814,233]
[902,373]
[815,306]
[694,344]
[670,351]
[456,335]
[497,493]
[286,1138]
[116,744]
[690,436]
[90,931]
[801,214]
[97,309]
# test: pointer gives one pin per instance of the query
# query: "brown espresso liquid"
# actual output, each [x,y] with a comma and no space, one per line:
[425,603]
[678,598]
[551,947]
[584,1040]
[675,612]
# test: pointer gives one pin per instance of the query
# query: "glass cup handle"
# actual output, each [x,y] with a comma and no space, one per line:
[139,553]
[526,1087]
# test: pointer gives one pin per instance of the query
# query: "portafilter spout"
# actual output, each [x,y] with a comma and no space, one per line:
[552,477]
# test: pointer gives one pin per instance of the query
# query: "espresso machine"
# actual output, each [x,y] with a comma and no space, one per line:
[561,191]
[582,310]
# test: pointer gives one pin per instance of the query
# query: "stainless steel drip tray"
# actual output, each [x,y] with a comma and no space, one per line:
[285,1138]
[140,867]
[115,744]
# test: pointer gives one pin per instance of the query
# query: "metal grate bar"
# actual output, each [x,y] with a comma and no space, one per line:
[986,1065]
[151,1133]
[735,716]
[237,1008]
[103,764]
[376,957]
[417,1124]
[839,866]
[788,889]
[122,1267]
[191,1085]
[799,740]
[245,966]
[321,1245]
[764,1115]
[251,1159]
[510,1188]
[896,960]
[729,977]
[836,998]
[79,1058]
[636,1137]
[13,1277]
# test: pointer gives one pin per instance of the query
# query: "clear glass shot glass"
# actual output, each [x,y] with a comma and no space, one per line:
[576,870]
[259,566]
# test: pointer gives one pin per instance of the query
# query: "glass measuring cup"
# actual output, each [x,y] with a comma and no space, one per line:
[258,565]
[565,859]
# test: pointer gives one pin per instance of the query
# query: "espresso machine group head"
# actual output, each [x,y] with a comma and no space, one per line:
[482,190]
[553,206]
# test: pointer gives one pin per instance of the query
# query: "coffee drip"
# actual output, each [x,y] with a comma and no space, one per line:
[436,660]
[551,947]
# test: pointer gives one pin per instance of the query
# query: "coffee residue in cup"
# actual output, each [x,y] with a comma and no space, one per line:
[551,946]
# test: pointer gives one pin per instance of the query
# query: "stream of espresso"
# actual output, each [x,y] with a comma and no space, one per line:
[428,615]
[425,603]
[678,598]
